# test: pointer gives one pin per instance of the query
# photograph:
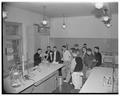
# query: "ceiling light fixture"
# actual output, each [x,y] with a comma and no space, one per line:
[99,5]
[63,25]
[106,18]
[108,25]
[44,21]
[4,10]
[105,13]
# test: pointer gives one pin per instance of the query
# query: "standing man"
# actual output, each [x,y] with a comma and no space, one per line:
[98,56]
[38,57]
[76,70]
[67,62]
[85,45]
[56,55]
[49,54]
[76,46]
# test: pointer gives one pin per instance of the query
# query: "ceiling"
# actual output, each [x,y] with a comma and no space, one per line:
[58,9]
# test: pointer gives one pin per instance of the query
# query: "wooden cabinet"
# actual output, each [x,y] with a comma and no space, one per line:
[12,45]
[48,85]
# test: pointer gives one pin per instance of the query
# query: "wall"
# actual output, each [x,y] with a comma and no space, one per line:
[27,19]
[105,44]
[86,29]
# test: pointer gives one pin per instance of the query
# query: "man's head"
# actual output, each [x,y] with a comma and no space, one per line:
[76,46]
[48,48]
[54,48]
[84,49]
[75,52]
[64,48]
[89,51]
[85,45]
[71,49]
[96,49]
[39,51]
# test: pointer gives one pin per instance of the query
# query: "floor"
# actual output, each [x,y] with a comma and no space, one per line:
[67,88]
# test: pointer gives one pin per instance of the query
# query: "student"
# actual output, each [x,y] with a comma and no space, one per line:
[56,55]
[67,61]
[89,61]
[84,51]
[76,70]
[80,48]
[71,50]
[68,79]
[85,45]
[49,54]
[37,57]
[98,56]
[76,46]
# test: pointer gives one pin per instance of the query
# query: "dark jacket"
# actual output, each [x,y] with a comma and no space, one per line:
[98,58]
[50,56]
[58,57]
[88,60]
[37,59]
[79,64]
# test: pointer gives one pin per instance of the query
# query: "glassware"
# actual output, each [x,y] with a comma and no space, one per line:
[15,76]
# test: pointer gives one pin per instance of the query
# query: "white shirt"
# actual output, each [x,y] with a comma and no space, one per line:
[73,64]
[54,56]
[66,56]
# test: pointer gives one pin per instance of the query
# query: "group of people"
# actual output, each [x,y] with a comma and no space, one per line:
[52,56]
[75,60]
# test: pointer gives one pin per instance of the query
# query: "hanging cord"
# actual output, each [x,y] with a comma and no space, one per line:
[44,10]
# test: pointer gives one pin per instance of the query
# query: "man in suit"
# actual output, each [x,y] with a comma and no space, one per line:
[98,56]
[56,55]
[49,54]
[37,57]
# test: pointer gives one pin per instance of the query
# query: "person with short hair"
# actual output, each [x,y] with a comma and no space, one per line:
[76,46]
[38,57]
[49,54]
[67,61]
[76,70]
[56,55]
[89,61]
[85,45]
[89,58]
[97,56]
[84,51]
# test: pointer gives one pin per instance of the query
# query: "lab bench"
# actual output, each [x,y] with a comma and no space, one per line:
[42,81]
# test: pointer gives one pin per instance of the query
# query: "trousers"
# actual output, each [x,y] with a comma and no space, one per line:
[66,71]
[77,79]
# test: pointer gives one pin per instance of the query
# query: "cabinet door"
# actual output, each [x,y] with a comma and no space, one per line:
[47,86]
[12,45]
[28,90]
